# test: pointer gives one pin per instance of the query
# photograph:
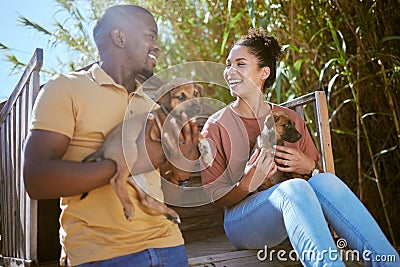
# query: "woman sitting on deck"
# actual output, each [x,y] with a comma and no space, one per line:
[297,208]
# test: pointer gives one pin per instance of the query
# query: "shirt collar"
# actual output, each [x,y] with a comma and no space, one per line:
[102,78]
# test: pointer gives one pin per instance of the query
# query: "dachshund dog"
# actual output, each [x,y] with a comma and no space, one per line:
[124,135]
[284,131]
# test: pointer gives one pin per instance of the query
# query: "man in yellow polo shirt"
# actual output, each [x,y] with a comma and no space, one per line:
[72,115]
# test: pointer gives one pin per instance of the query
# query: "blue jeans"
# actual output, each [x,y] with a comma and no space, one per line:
[299,210]
[153,257]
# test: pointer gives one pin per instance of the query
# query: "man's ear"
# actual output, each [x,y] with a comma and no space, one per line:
[118,37]
[266,71]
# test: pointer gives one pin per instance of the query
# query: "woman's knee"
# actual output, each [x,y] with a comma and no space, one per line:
[329,184]
[296,185]
[297,189]
[325,178]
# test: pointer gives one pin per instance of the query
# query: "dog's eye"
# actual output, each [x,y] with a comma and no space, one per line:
[181,97]
[195,94]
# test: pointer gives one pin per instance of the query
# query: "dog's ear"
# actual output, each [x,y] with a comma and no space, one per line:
[277,116]
[200,87]
[280,116]
[165,99]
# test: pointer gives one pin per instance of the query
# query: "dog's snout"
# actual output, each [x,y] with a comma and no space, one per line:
[194,109]
[291,135]
[197,108]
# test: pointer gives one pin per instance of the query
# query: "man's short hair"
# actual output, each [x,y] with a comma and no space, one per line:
[116,16]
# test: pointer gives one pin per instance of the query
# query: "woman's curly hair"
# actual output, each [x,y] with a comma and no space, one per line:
[265,48]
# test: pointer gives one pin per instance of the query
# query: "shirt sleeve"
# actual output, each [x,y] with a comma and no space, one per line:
[216,178]
[54,108]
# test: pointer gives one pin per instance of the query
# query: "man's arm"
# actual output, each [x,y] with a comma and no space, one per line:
[46,175]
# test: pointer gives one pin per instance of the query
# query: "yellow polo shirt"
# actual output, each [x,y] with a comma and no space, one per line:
[86,106]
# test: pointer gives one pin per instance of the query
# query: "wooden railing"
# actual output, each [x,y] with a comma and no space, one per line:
[18,212]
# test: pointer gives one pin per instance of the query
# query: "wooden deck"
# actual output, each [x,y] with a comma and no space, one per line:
[219,252]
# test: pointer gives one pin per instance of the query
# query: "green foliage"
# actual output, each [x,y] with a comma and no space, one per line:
[350,49]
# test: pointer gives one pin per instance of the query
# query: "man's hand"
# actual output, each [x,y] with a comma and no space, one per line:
[155,155]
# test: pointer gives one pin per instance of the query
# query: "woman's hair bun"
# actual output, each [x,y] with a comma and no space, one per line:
[265,48]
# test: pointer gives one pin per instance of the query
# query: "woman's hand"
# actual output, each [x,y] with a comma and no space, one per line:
[293,160]
[259,169]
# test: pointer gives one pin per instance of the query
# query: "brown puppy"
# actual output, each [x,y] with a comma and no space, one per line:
[284,131]
[125,135]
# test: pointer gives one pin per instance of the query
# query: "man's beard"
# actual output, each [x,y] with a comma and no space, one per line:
[147,73]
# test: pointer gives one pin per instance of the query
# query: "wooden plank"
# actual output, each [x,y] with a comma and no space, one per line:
[17,158]
[202,234]
[218,244]
[18,180]
[31,204]
[244,257]
[201,222]
[13,183]
[299,110]
[216,258]
[218,251]
[324,132]
[3,188]
[21,202]
[8,222]
[249,260]
[300,101]
[198,211]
